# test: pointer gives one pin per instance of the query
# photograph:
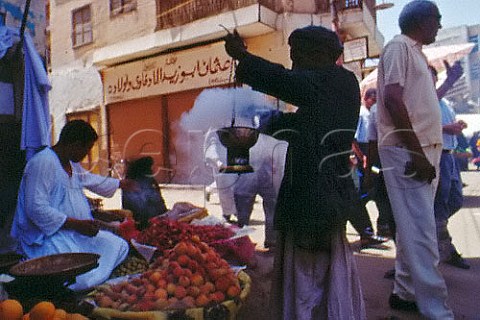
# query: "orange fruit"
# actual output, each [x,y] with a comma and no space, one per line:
[60,314]
[11,309]
[44,310]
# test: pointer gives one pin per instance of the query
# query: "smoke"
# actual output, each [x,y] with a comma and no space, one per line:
[213,109]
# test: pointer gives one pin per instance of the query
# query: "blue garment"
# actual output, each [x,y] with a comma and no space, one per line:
[448,116]
[448,200]
[145,203]
[361,135]
[36,114]
[8,36]
[449,197]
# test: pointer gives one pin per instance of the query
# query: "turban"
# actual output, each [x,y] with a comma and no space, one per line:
[313,38]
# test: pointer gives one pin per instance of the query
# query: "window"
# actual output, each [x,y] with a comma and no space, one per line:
[122,6]
[82,26]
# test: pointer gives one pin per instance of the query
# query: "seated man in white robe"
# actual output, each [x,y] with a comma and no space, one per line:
[53,215]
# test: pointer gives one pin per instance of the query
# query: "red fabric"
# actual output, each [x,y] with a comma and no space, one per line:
[127,230]
[240,249]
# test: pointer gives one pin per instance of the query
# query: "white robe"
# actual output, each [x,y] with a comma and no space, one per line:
[47,196]
[316,285]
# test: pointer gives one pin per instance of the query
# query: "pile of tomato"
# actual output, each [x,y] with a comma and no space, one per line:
[166,233]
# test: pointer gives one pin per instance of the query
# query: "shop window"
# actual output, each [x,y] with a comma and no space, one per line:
[92,161]
[82,32]
[122,6]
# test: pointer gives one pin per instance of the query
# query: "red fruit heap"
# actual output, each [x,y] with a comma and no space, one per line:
[190,275]
[165,233]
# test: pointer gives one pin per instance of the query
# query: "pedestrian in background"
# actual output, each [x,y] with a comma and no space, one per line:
[410,146]
[215,158]
[360,219]
[147,201]
[376,181]
[315,275]
[267,158]
[449,196]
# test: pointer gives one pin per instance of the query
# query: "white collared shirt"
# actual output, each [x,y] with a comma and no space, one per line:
[403,62]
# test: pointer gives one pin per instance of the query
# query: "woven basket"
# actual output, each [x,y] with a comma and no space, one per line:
[227,310]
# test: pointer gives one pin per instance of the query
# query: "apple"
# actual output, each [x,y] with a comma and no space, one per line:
[193,291]
[197,279]
[217,296]
[161,293]
[171,287]
[183,260]
[184,281]
[202,300]
[233,291]
[155,276]
[180,292]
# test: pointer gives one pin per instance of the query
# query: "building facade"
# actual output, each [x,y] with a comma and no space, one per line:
[465,95]
[133,67]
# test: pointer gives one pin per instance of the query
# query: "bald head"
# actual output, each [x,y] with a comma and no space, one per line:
[420,16]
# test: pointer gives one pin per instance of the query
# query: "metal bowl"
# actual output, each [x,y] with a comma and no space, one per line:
[62,266]
[238,137]
[238,141]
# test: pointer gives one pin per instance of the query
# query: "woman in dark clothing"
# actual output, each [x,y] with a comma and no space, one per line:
[147,202]
[315,274]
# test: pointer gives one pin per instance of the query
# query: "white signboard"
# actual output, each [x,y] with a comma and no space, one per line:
[355,49]
[205,66]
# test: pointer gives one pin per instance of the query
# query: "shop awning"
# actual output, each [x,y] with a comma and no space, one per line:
[435,56]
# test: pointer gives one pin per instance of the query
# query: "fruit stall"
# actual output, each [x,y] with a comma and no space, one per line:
[185,264]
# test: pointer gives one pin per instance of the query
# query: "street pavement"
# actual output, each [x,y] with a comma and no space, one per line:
[463,285]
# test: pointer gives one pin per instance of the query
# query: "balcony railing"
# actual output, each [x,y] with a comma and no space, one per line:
[173,13]
[323,6]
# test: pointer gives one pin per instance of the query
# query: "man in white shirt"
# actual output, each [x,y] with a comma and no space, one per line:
[410,146]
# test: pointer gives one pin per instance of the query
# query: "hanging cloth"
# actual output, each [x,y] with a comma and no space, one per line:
[36,114]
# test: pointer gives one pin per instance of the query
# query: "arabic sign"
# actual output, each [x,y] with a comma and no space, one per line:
[206,66]
[355,49]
